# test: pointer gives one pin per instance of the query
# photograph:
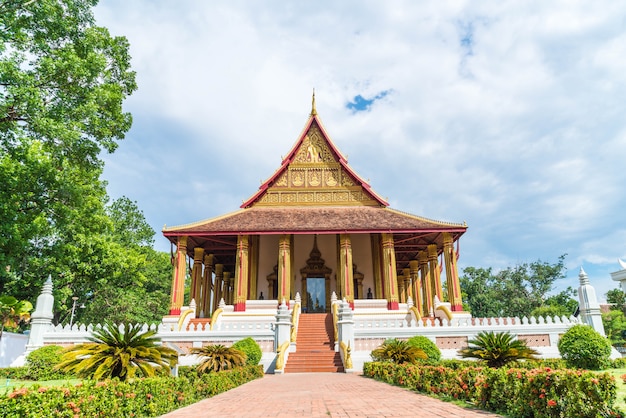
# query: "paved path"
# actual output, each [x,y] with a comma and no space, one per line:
[322,395]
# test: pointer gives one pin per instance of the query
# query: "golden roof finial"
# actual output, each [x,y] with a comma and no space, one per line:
[313,110]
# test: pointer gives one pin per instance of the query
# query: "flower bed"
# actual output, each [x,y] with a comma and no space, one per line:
[541,392]
[140,398]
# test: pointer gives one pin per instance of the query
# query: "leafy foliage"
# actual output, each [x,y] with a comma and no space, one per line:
[497,349]
[617,299]
[516,393]
[12,312]
[251,349]
[427,346]
[583,348]
[218,357]
[116,353]
[398,351]
[148,397]
[514,291]
[614,323]
[41,363]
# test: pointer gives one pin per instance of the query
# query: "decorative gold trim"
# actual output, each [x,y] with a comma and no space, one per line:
[416,313]
[295,317]
[346,350]
[280,358]
[445,310]
[216,315]
[182,318]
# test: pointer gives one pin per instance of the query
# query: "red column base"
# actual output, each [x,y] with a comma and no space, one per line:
[393,306]
[240,307]
[175,311]
[457,308]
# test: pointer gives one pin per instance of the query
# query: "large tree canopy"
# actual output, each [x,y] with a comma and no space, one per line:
[515,291]
[63,80]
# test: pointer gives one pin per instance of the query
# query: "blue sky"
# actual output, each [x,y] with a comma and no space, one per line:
[506,115]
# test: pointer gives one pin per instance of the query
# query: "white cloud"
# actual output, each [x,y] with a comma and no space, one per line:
[507,115]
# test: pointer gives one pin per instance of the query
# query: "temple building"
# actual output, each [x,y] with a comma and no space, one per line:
[313,228]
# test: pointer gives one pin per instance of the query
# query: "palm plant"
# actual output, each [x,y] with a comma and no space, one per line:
[398,351]
[218,357]
[497,349]
[115,353]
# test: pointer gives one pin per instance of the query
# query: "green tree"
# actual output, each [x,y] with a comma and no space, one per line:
[218,357]
[12,312]
[614,323]
[497,349]
[62,83]
[514,291]
[616,298]
[251,349]
[115,353]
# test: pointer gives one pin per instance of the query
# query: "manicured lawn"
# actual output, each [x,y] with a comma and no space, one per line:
[7,385]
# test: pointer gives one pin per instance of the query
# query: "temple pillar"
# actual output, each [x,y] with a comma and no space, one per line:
[284,268]
[452,275]
[241,274]
[207,286]
[218,293]
[389,272]
[417,285]
[378,281]
[435,276]
[358,277]
[227,292]
[406,284]
[346,269]
[195,289]
[253,272]
[422,259]
[178,279]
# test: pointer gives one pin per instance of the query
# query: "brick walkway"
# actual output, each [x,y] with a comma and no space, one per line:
[322,395]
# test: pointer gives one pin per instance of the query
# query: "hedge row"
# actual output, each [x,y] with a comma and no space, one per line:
[140,398]
[514,392]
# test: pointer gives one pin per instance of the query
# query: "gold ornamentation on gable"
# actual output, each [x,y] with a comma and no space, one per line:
[314,149]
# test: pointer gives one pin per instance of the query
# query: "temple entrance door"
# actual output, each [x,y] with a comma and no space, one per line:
[316,294]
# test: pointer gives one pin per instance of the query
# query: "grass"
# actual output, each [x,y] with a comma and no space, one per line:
[7,385]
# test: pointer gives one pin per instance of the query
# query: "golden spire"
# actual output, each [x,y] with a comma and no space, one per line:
[313,110]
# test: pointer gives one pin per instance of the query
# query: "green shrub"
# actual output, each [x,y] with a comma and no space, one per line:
[40,364]
[146,397]
[515,393]
[397,351]
[427,346]
[14,373]
[583,348]
[251,348]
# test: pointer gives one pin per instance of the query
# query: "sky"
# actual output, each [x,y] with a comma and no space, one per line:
[509,116]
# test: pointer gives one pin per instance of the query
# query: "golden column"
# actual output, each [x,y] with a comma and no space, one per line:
[406,284]
[253,266]
[417,286]
[422,259]
[389,272]
[346,269]
[241,274]
[178,279]
[452,275]
[227,292]
[217,291]
[284,268]
[378,283]
[196,279]
[206,285]
[435,275]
